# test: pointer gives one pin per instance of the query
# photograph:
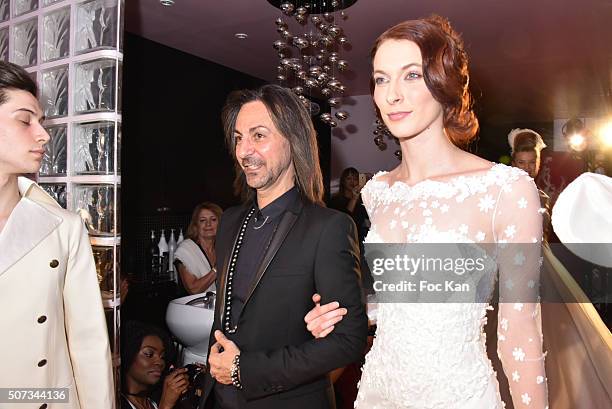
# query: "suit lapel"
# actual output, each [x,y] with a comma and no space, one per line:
[223,276]
[287,221]
[28,225]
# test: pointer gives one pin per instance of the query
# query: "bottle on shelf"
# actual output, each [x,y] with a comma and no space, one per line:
[171,251]
[180,238]
[152,267]
[163,253]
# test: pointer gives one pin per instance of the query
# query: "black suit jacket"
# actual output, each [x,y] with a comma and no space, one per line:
[314,249]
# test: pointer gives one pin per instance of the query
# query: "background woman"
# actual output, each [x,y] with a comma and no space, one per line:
[195,257]
[144,353]
[347,197]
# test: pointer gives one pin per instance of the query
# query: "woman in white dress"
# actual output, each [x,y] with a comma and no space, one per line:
[195,257]
[433,355]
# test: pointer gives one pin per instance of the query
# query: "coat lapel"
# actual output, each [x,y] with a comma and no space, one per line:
[287,221]
[29,223]
[226,260]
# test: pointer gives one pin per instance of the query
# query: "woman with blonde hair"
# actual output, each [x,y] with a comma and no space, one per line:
[195,257]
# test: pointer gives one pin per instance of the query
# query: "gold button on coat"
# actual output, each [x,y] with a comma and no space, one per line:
[54,263]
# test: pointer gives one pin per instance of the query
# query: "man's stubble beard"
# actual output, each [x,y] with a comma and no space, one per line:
[271,175]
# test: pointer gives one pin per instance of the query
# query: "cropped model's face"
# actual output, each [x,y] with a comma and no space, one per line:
[22,136]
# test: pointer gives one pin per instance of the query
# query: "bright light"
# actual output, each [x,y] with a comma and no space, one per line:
[605,134]
[577,142]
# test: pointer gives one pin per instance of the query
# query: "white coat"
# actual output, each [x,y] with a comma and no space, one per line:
[52,324]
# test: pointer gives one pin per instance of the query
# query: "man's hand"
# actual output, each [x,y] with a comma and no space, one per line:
[221,356]
[320,321]
[175,384]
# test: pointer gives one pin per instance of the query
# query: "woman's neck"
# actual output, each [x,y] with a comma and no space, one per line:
[135,388]
[427,155]
[207,243]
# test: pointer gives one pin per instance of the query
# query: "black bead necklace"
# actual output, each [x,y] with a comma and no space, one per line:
[227,316]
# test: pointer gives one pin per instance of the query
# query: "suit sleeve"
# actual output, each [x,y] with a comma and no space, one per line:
[336,274]
[86,326]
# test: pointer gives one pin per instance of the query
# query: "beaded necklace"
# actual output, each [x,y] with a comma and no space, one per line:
[227,315]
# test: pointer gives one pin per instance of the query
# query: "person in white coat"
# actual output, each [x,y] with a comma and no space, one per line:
[51,316]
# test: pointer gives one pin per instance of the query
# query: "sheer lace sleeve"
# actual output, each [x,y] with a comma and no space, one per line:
[518,229]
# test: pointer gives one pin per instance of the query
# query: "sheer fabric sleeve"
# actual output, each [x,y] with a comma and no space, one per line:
[518,233]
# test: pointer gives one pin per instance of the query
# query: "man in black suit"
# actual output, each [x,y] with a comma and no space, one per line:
[273,253]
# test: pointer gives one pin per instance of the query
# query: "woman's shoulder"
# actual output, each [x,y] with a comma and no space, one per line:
[187,244]
[509,175]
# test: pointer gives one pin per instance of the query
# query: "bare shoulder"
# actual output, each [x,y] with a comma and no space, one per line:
[467,162]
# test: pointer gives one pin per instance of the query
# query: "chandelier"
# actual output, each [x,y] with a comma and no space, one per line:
[309,52]
[381,132]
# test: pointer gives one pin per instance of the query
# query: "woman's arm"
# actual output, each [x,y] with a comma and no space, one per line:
[518,230]
[195,285]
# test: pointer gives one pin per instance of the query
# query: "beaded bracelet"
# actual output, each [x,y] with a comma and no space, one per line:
[235,372]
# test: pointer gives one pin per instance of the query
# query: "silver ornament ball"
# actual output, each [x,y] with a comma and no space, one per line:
[342,115]
[287,8]
[334,101]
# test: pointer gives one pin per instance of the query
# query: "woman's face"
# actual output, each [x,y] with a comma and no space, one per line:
[528,161]
[150,361]
[405,103]
[207,224]
[350,181]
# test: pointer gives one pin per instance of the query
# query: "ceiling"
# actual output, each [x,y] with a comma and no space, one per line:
[530,60]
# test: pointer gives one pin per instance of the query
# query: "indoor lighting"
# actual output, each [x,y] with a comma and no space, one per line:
[167,3]
[605,134]
[310,52]
[575,133]
[577,142]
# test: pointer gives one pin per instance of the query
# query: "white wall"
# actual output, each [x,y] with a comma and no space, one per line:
[352,141]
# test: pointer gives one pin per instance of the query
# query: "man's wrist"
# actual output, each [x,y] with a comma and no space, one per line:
[235,372]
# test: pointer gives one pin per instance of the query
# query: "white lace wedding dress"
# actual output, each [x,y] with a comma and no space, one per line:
[433,355]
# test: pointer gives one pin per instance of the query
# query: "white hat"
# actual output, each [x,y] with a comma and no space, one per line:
[538,139]
[582,218]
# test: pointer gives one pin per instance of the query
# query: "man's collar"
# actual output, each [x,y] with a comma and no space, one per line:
[30,189]
[280,204]
[24,184]
[29,224]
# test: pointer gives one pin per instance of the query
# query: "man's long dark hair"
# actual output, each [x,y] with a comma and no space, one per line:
[293,122]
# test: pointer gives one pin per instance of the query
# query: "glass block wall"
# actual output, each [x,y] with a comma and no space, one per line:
[73,48]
